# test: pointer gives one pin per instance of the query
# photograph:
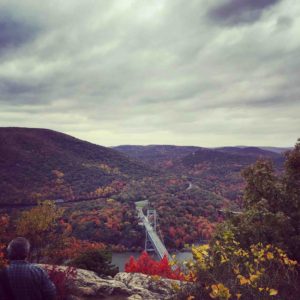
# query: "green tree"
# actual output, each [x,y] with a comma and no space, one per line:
[271,205]
[95,260]
[252,255]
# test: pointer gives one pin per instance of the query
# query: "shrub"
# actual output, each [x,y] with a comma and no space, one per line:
[227,271]
[60,278]
[3,260]
[95,260]
[146,265]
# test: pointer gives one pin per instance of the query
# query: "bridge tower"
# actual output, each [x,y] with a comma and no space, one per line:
[152,219]
[152,242]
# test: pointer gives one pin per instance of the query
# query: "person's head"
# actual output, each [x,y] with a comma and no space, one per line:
[18,249]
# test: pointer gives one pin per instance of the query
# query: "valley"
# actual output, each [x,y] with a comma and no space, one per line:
[98,186]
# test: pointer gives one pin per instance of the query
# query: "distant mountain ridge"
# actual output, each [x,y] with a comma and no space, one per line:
[278,150]
[230,159]
[253,151]
[156,154]
[45,164]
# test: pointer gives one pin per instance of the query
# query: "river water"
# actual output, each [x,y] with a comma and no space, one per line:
[119,259]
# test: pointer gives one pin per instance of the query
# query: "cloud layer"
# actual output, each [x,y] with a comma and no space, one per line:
[235,12]
[192,72]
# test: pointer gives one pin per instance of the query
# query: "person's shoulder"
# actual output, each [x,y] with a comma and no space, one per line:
[2,271]
[37,268]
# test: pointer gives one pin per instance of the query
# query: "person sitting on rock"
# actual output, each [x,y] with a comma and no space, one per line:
[22,280]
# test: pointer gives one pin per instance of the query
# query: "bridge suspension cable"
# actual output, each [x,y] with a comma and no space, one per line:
[152,242]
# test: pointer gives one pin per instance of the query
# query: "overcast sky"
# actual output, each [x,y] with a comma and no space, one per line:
[196,72]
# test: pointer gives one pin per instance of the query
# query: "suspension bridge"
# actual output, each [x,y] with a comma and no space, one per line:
[152,242]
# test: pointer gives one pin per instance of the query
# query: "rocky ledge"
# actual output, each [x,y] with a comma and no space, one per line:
[131,286]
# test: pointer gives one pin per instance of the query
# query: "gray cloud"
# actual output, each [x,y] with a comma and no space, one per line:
[233,12]
[284,22]
[15,32]
[146,72]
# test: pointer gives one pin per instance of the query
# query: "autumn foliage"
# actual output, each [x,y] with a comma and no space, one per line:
[4,222]
[60,278]
[74,247]
[146,265]
[255,254]
[39,225]
[3,261]
[225,271]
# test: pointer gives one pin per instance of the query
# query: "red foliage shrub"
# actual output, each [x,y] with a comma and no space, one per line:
[3,260]
[60,277]
[146,265]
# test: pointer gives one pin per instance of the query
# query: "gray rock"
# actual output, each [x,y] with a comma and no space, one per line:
[149,287]
[124,286]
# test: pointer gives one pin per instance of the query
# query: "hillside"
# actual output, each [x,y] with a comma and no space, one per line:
[163,155]
[187,185]
[279,150]
[233,156]
[156,155]
[250,151]
[219,170]
[44,164]
[215,170]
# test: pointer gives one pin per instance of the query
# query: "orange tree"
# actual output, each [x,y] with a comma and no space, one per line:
[72,248]
[39,225]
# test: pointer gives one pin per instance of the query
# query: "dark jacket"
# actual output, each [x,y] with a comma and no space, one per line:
[29,282]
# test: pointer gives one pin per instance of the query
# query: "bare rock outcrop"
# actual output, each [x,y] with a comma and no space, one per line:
[148,287]
[87,285]
[124,286]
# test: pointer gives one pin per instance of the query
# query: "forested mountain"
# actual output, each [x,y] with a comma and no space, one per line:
[186,184]
[156,154]
[44,164]
[250,151]
[231,157]
[279,150]
[163,154]
[217,170]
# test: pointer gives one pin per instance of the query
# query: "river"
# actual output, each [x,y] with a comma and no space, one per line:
[119,259]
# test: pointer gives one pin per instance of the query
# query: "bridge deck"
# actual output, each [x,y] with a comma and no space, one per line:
[155,240]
